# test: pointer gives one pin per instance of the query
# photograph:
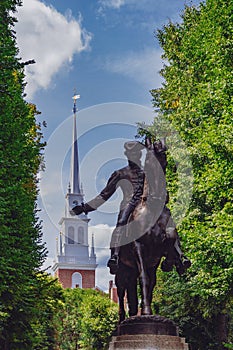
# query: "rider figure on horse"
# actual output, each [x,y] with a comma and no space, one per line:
[131,181]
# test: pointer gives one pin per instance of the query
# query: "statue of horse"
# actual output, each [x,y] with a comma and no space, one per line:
[149,236]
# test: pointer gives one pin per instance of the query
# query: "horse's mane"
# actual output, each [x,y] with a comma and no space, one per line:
[154,191]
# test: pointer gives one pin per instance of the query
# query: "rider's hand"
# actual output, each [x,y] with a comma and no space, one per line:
[77,210]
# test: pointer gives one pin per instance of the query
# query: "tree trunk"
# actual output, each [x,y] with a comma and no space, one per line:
[221,329]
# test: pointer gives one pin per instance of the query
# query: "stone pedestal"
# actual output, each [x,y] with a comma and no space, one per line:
[148,332]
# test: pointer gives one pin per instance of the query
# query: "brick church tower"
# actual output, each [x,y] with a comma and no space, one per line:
[74,265]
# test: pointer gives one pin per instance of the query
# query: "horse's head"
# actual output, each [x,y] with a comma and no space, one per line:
[155,151]
[155,165]
[150,154]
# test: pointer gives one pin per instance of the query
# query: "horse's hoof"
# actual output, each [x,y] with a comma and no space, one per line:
[180,270]
[187,263]
[121,318]
[146,310]
[183,266]
[167,265]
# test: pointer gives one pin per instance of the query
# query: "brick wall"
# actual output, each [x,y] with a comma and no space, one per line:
[65,277]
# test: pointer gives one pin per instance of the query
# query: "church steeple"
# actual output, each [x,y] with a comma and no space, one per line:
[75,179]
[74,265]
[75,194]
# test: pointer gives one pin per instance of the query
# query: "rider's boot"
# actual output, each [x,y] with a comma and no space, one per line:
[113,262]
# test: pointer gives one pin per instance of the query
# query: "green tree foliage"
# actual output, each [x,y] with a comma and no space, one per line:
[67,322]
[196,99]
[99,320]
[49,300]
[21,250]
[86,320]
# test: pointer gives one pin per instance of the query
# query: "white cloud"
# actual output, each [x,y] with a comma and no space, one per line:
[144,5]
[103,277]
[115,4]
[143,66]
[50,38]
[102,235]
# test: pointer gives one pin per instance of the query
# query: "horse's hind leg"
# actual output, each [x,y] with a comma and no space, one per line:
[144,282]
[152,278]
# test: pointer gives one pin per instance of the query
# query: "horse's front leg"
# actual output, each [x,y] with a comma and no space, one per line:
[144,282]
[121,295]
[132,295]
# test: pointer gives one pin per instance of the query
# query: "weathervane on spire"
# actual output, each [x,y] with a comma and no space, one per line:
[75,98]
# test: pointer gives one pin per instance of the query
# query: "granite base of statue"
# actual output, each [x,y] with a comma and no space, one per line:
[148,332]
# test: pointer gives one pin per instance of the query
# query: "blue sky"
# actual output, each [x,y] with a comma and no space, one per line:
[108,51]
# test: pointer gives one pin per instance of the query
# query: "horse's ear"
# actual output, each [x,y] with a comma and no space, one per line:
[148,142]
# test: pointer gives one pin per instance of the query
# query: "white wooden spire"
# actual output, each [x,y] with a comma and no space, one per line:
[75,179]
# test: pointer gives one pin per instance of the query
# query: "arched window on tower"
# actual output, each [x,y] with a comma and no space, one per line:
[70,235]
[80,235]
[76,280]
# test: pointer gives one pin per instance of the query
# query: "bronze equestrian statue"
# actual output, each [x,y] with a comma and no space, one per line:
[145,231]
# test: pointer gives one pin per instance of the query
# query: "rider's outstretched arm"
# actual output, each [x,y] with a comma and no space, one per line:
[104,195]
